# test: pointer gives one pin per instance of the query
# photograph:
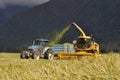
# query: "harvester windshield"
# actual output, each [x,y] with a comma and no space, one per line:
[83,43]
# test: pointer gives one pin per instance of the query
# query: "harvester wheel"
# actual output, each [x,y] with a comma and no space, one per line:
[49,55]
[24,55]
[95,52]
[35,55]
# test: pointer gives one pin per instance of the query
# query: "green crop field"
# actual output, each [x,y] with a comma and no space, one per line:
[106,67]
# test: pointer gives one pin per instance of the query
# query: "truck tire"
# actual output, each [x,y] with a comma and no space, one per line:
[24,55]
[35,55]
[49,55]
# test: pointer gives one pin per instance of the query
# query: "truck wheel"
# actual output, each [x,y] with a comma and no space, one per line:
[24,55]
[36,55]
[49,55]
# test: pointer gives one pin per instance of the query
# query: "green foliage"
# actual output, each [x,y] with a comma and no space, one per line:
[110,47]
[104,68]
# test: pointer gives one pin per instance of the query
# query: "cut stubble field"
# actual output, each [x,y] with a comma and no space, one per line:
[106,67]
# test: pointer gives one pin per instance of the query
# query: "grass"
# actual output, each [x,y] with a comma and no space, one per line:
[105,68]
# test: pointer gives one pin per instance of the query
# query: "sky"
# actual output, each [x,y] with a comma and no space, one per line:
[28,3]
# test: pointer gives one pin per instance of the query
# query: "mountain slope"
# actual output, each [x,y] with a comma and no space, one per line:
[8,12]
[101,18]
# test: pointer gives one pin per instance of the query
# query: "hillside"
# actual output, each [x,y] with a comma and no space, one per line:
[100,18]
[8,12]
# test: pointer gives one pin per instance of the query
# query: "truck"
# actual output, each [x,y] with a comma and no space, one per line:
[39,49]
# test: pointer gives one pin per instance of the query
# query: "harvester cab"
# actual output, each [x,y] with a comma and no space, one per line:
[39,49]
[85,44]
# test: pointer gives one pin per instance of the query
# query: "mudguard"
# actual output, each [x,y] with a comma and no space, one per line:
[46,48]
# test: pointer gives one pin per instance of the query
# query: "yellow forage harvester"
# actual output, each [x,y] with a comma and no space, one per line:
[84,47]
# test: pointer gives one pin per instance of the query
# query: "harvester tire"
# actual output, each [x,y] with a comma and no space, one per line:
[95,52]
[24,55]
[49,55]
[35,55]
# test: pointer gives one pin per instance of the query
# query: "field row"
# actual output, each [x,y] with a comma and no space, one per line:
[106,67]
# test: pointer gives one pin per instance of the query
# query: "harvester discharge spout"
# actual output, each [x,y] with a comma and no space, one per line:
[79,28]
